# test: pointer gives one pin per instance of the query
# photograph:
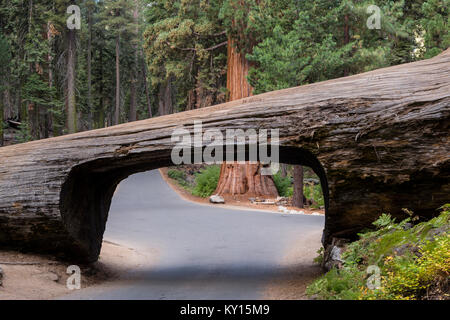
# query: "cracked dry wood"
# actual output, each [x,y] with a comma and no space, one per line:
[379,142]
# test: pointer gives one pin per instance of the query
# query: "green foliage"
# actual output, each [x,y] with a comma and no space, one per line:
[186,46]
[414,262]
[180,177]
[319,258]
[314,193]
[383,221]
[338,285]
[283,185]
[311,191]
[308,43]
[289,42]
[5,57]
[206,181]
[408,279]
[24,133]
[436,26]
[176,174]
[5,54]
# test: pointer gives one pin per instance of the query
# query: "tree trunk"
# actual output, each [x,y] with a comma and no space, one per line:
[1,120]
[237,72]
[133,114]
[89,70]
[50,74]
[117,111]
[100,117]
[284,168]
[242,180]
[297,198]
[165,98]
[71,109]
[346,38]
[9,111]
[147,92]
[134,72]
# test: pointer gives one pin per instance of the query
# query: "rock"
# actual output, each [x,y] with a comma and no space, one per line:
[312,181]
[281,201]
[333,254]
[407,247]
[433,233]
[284,209]
[407,226]
[216,199]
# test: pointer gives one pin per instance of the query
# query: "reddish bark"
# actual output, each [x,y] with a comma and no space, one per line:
[297,198]
[245,179]
[238,66]
[242,179]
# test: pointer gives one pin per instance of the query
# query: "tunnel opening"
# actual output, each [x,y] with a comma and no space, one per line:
[87,193]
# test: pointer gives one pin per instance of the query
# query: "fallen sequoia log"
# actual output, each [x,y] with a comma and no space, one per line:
[379,142]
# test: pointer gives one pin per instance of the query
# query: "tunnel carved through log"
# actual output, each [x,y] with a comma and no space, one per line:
[379,141]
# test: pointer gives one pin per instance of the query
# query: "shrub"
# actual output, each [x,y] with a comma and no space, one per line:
[283,185]
[206,181]
[414,262]
[176,174]
[314,193]
[179,176]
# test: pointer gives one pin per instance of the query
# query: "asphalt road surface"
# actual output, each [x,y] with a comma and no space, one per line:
[201,252]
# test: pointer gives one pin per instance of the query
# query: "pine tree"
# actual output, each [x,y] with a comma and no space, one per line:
[185,45]
[117,19]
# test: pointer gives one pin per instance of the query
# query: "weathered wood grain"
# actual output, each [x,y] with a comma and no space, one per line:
[379,142]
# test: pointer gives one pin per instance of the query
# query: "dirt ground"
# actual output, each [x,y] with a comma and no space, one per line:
[40,277]
[301,271]
[230,203]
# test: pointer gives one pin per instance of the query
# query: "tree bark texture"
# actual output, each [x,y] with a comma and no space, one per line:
[242,180]
[297,197]
[378,141]
[238,179]
[71,110]
[89,70]
[117,110]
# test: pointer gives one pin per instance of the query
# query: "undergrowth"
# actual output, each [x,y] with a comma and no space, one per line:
[414,262]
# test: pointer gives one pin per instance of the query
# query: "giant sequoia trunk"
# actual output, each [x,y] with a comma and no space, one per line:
[378,141]
[237,179]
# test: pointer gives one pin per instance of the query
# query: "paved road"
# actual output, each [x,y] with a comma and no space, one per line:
[203,252]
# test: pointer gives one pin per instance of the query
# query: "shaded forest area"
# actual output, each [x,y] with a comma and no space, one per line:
[137,59]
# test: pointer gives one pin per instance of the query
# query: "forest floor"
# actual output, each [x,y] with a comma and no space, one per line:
[41,277]
[230,203]
[301,270]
